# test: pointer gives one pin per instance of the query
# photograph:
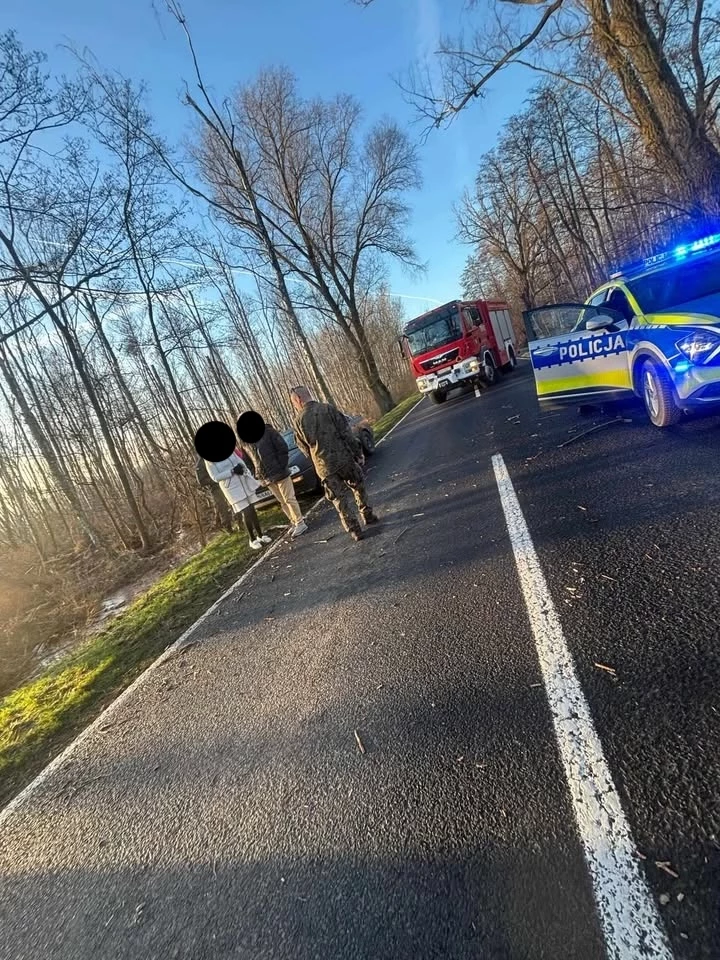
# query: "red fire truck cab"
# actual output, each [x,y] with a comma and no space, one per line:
[459,344]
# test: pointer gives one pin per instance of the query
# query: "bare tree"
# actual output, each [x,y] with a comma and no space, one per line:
[334,206]
[663,56]
[568,194]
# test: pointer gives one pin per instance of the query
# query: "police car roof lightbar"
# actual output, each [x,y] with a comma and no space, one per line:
[677,253]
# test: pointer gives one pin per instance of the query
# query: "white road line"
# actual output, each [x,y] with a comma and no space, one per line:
[403,417]
[628,915]
[181,642]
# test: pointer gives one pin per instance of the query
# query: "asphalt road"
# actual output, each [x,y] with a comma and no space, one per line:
[226,809]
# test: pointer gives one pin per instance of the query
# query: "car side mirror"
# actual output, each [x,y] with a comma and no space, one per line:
[600,323]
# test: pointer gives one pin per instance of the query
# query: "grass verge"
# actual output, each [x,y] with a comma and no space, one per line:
[386,423]
[39,718]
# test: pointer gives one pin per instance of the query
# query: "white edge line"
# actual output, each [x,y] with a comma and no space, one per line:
[181,642]
[628,915]
[402,418]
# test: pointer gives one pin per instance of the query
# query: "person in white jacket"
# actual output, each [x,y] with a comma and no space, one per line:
[239,486]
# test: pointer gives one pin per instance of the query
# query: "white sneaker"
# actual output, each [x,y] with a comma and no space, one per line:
[299,529]
[265,539]
[255,545]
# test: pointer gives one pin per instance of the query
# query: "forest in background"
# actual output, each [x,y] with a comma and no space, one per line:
[146,287]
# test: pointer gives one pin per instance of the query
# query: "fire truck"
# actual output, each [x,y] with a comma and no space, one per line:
[462,343]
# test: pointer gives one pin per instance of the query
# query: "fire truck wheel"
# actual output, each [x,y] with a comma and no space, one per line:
[512,361]
[438,396]
[489,372]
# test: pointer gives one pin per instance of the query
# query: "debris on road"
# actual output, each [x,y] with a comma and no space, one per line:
[664,865]
[117,723]
[599,426]
[680,897]
[582,508]
[610,670]
[361,746]
[418,515]
[664,899]
[606,577]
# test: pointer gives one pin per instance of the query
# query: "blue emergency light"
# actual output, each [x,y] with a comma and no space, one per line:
[677,253]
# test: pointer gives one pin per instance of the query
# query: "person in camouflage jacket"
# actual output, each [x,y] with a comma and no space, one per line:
[324,435]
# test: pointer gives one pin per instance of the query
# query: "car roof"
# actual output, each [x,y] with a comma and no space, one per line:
[664,262]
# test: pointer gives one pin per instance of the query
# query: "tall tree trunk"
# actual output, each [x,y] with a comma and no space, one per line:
[668,125]
[79,364]
[48,453]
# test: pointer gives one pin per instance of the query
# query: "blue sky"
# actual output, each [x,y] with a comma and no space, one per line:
[332,46]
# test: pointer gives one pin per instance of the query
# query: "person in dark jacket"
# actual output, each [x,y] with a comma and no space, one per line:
[269,462]
[324,435]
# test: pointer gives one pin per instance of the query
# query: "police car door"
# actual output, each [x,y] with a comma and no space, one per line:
[579,353]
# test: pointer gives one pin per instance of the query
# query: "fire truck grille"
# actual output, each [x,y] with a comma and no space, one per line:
[440,361]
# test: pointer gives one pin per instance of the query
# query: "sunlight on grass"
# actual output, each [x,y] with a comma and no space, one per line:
[386,423]
[40,717]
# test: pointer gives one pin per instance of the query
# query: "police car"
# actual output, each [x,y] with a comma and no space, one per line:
[652,331]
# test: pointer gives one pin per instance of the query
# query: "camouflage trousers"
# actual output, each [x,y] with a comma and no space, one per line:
[345,490]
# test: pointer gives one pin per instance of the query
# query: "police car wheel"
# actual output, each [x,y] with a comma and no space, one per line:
[658,397]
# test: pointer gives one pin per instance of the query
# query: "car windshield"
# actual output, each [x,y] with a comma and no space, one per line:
[442,327]
[678,286]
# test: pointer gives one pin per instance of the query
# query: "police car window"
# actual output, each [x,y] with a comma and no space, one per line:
[676,286]
[618,301]
[553,321]
[586,315]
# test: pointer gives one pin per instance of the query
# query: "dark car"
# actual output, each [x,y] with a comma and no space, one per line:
[362,428]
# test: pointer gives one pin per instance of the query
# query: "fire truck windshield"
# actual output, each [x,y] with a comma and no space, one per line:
[441,327]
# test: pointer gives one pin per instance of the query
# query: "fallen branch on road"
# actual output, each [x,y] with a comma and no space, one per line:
[611,670]
[598,426]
